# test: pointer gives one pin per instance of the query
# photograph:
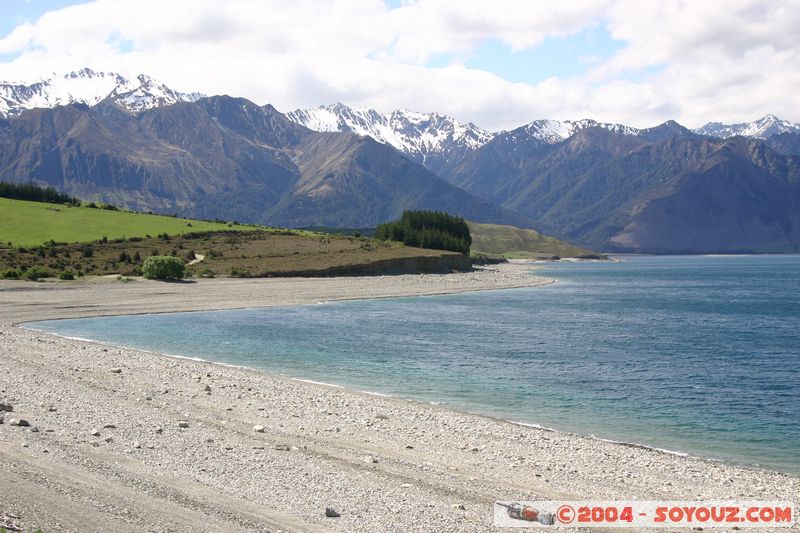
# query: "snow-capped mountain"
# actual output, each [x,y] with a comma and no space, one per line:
[555,131]
[88,87]
[763,128]
[428,138]
[430,135]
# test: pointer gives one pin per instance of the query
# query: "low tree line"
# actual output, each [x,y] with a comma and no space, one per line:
[428,229]
[35,193]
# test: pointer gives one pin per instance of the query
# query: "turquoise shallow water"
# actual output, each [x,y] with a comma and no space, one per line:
[691,354]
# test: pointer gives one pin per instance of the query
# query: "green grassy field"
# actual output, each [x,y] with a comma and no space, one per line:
[511,242]
[24,223]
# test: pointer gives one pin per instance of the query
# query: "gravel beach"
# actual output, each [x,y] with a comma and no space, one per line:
[125,440]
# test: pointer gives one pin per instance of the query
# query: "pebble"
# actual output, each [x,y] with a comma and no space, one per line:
[258,475]
[116,371]
[183,424]
[21,422]
[95,433]
[7,407]
[331,513]
[258,429]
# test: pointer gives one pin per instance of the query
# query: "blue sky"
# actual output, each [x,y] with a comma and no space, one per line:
[562,57]
[16,12]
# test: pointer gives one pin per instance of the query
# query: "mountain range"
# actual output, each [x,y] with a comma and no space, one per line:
[88,87]
[223,157]
[140,144]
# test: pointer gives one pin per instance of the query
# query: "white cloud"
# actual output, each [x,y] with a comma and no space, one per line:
[692,61]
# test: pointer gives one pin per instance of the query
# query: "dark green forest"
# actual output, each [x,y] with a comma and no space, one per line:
[34,193]
[428,229]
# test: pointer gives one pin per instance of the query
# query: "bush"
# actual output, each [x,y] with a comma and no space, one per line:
[163,267]
[207,273]
[240,273]
[66,275]
[36,272]
[11,273]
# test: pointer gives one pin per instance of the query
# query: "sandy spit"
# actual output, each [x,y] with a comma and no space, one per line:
[106,450]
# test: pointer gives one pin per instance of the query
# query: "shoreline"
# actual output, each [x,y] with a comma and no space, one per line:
[368,455]
[26,301]
[438,405]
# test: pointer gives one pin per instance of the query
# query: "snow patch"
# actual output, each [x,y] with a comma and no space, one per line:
[88,87]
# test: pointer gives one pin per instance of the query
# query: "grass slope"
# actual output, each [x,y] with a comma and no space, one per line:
[517,243]
[258,253]
[24,223]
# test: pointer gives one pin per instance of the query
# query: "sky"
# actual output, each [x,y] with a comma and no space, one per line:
[498,63]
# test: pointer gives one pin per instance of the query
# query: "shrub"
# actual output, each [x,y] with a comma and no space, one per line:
[163,267]
[240,273]
[66,275]
[36,272]
[207,273]
[87,251]
[11,273]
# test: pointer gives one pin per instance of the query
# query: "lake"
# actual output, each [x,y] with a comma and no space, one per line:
[694,354]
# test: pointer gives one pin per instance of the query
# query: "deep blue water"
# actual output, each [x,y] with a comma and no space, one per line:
[693,354]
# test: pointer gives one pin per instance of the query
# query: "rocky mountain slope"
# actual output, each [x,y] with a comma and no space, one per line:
[432,139]
[786,143]
[665,189]
[223,157]
[140,144]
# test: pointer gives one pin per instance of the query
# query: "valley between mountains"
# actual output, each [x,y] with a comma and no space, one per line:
[609,187]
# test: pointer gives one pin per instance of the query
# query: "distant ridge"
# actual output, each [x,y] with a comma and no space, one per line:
[85,86]
[609,187]
[763,128]
[432,139]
